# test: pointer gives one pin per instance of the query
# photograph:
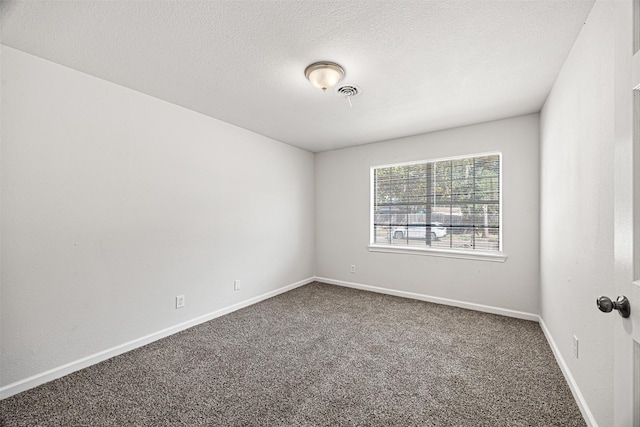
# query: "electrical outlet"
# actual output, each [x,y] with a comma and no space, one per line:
[179,301]
[575,346]
[236,285]
[353,268]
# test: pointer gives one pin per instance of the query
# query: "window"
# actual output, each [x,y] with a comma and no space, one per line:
[447,204]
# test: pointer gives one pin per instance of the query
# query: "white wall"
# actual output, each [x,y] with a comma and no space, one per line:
[342,218]
[577,211]
[114,202]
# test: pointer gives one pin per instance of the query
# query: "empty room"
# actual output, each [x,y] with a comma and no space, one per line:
[320,213]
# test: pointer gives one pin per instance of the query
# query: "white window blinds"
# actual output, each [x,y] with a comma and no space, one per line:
[447,204]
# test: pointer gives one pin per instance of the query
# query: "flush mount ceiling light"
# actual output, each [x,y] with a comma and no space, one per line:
[324,75]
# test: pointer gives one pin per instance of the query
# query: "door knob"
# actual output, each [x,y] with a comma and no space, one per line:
[621,304]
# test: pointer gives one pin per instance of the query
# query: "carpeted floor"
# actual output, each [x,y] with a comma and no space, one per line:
[320,355]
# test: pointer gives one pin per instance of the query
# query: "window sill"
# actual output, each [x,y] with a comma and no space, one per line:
[446,253]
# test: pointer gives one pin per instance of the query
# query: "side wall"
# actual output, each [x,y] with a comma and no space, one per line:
[577,230]
[114,203]
[342,220]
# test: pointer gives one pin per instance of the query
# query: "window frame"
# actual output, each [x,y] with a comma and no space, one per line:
[474,254]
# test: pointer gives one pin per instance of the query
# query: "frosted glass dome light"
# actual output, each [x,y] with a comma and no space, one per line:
[324,75]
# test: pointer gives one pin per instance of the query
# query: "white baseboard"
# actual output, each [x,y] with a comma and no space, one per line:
[575,390]
[60,371]
[437,300]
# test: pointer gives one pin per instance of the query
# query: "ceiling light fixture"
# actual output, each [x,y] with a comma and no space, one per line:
[324,75]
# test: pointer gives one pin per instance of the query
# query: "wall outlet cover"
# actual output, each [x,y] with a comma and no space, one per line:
[180,301]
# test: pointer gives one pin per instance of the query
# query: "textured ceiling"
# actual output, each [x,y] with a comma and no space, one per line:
[421,65]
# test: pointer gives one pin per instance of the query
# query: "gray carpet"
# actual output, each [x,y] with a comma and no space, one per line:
[320,355]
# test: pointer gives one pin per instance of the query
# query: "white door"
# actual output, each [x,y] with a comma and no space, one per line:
[626,217]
